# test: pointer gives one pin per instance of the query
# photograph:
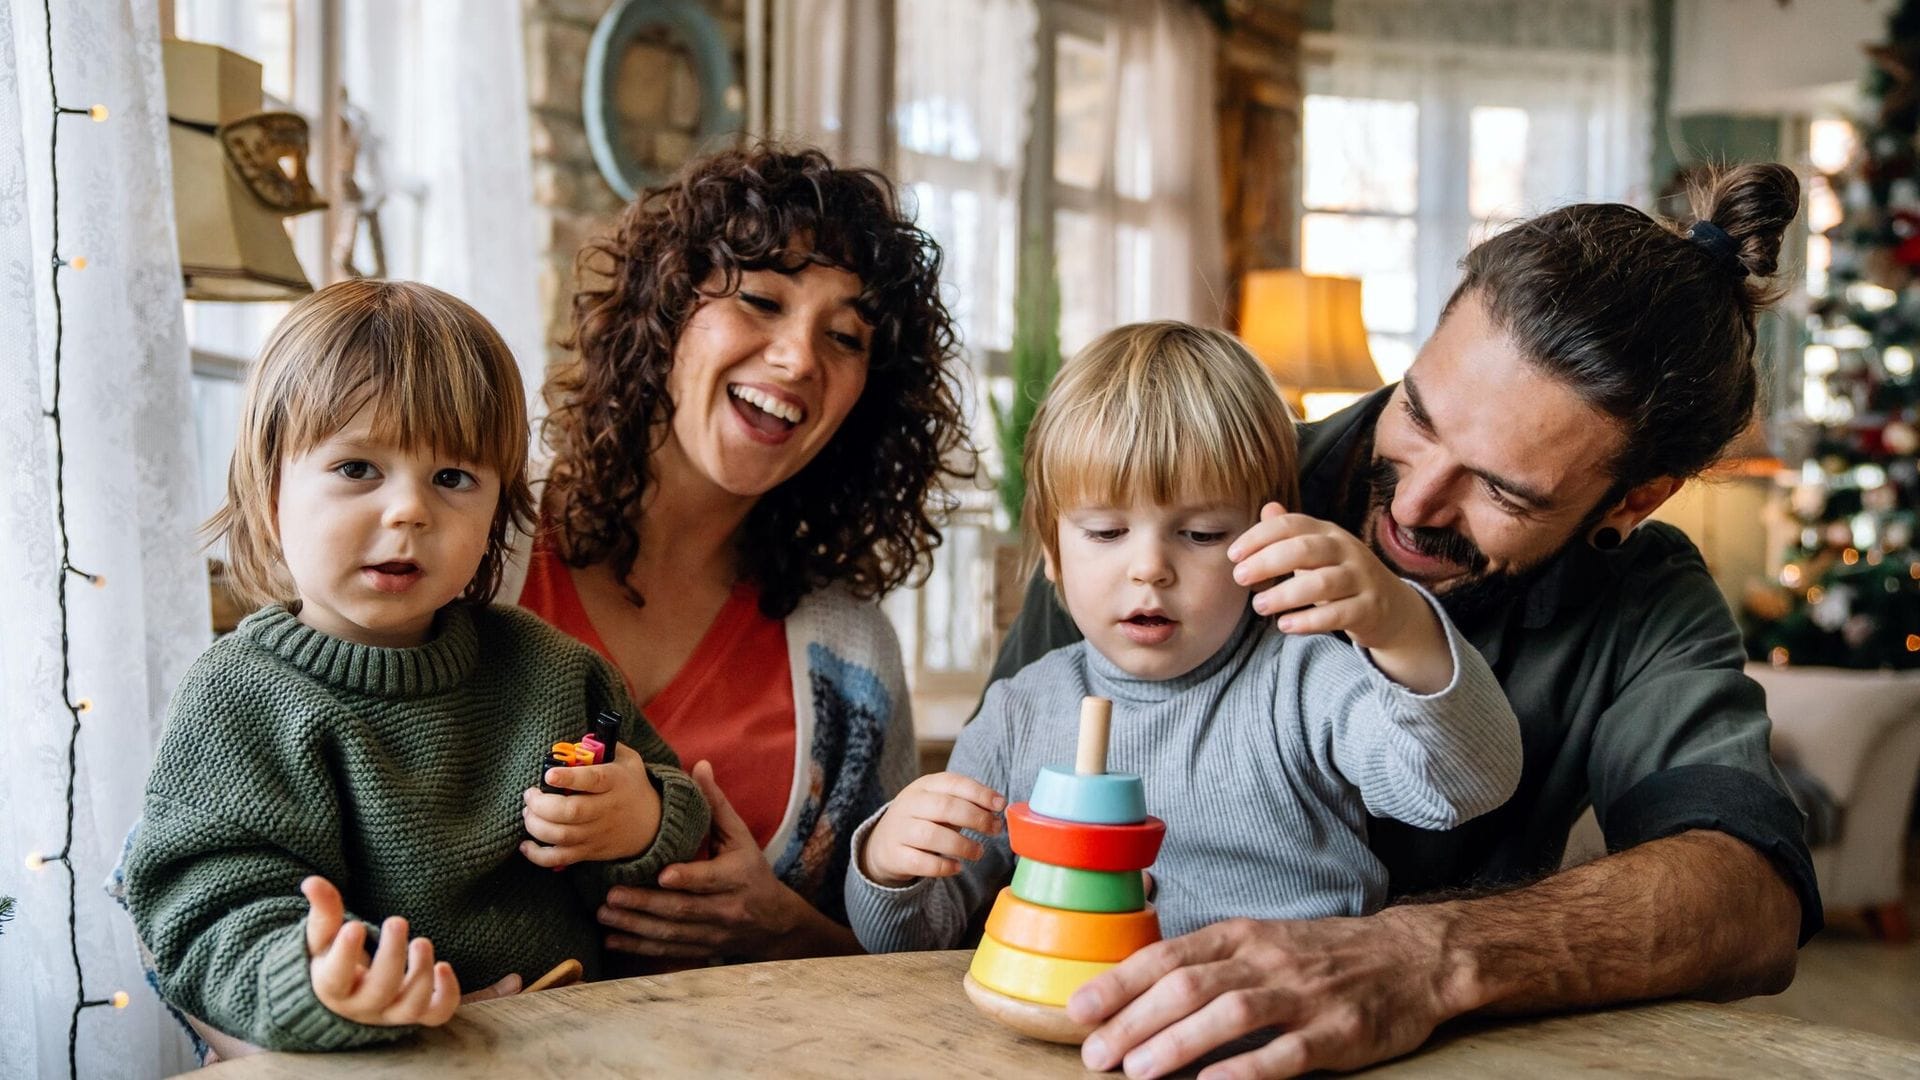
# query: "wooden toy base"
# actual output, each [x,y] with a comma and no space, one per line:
[1030,1018]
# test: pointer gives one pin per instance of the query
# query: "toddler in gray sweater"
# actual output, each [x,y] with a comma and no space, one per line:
[1264,748]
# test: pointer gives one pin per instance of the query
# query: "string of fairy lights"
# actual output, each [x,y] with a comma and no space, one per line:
[76,708]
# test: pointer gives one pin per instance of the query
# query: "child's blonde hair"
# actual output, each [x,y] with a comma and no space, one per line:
[1159,410]
[437,376]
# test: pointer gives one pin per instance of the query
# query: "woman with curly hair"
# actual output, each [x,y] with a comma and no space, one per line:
[748,447]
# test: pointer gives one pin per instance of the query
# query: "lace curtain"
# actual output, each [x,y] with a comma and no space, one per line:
[1433,123]
[130,515]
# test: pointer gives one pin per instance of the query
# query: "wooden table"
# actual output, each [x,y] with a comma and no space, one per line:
[906,1015]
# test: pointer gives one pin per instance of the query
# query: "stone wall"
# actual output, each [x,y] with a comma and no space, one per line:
[659,108]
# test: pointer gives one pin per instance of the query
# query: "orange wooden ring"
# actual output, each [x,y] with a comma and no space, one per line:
[1071,935]
[1082,846]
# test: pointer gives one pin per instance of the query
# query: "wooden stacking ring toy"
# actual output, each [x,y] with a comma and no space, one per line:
[1100,799]
[1077,905]
[1071,935]
[1085,847]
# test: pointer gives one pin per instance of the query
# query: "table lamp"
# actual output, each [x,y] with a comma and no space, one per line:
[1307,330]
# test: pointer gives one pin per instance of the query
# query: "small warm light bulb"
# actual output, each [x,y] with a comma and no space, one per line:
[99,581]
[98,113]
[120,999]
[85,704]
[78,262]
[34,861]
[1913,642]
[1778,656]
[1850,556]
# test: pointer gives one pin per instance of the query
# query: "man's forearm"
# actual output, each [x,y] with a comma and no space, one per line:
[1699,914]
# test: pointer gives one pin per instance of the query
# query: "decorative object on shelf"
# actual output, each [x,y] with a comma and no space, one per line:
[692,26]
[1307,329]
[1848,593]
[238,172]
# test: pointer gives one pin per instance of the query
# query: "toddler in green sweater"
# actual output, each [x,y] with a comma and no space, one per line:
[365,747]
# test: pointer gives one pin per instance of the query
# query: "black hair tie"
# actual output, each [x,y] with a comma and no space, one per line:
[1715,241]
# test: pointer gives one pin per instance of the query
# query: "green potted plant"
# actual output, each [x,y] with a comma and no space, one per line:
[1033,362]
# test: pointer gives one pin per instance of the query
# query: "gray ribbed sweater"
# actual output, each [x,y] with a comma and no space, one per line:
[1264,762]
[397,775]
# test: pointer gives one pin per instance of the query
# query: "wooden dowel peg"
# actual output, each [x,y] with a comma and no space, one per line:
[1096,716]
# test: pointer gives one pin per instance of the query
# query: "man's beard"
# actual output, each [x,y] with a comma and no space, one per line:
[1477,591]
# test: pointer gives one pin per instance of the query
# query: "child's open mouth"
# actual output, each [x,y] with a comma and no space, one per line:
[393,577]
[1147,628]
[767,415]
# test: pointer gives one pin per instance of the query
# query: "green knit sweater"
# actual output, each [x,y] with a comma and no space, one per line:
[396,774]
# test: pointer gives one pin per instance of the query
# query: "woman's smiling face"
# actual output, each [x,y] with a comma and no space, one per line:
[763,378]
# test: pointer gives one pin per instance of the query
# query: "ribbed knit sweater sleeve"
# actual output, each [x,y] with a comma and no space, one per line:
[935,912]
[1431,760]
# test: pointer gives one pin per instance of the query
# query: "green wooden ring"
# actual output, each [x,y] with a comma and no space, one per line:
[1072,889]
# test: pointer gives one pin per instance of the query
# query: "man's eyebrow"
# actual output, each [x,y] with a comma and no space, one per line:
[1417,412]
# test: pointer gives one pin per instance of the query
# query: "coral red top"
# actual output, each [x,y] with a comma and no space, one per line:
[731,703]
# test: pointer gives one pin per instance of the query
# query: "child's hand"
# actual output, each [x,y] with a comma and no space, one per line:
[919,835]
[381,992]
[1335,583]
[614,812]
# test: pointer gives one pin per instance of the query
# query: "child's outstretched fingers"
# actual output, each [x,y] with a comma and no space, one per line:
[325,913]
[381,983]
[446,996]
[335,971]
[409,1005]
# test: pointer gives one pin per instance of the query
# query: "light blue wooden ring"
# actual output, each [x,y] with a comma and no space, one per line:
[1102,799]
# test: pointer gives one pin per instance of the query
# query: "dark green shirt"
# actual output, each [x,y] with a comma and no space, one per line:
[1625,668]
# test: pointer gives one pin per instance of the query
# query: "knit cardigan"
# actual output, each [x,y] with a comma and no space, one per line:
[397,775]
[853,740]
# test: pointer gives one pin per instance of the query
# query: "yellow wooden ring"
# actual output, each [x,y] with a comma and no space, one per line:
[1029,976]
[1071,935]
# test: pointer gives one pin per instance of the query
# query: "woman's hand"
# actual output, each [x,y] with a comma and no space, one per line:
[401,985]
[919,835]
[1331,581]
[613,813]
[729,905]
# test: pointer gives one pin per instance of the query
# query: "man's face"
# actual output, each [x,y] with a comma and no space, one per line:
[1484,467]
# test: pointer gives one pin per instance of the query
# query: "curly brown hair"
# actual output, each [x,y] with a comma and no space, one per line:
[860,514]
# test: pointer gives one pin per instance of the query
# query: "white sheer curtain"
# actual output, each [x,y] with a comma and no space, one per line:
[130,515]
[1430,124]
[443,87]
[832,78]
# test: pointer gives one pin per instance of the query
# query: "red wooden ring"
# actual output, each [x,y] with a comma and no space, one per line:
[1081,846]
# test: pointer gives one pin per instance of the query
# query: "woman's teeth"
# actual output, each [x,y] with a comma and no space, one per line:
[768,404]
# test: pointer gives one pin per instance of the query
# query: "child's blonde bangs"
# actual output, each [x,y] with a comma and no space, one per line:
[1166,412]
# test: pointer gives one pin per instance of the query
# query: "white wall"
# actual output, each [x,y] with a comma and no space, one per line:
[1756,56]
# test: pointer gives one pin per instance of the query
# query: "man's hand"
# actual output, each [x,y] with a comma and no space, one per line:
[919,835]
[1333,582]
[401,985]
[613,813]
[1345,992]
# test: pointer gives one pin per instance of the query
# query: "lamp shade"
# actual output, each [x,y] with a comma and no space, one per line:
[1307,330]
[237,173]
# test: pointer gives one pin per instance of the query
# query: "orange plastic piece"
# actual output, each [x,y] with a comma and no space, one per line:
[1083,846]
[572,754]
[1071,935]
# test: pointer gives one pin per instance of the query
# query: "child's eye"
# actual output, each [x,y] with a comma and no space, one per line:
[1103,536]
[456,479]
[357,470]
[1199,536]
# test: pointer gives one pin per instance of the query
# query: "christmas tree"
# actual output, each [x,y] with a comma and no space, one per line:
[1848,593]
